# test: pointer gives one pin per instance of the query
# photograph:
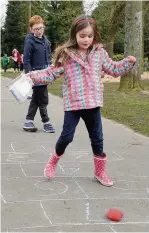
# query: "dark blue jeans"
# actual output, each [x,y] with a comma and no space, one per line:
[92,119]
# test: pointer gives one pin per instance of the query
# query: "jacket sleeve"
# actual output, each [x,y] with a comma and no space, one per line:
[114,68]
[47,75]
[28,51]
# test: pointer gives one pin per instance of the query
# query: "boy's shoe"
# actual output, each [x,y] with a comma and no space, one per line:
[29,127]
[48,128]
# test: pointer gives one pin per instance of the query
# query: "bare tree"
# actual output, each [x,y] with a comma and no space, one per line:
[115,23]
[133,44]
[89,6]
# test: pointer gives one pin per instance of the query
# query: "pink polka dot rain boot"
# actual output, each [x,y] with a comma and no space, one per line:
[50,168]
[100,171]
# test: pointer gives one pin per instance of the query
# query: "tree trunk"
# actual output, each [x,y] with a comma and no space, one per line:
[29,14]
[133,44]
[29,9]
[110,44]
[116,19]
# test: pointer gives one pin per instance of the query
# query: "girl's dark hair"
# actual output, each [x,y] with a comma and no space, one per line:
[79,23]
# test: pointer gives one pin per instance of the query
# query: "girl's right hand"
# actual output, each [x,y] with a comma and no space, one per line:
[131,59]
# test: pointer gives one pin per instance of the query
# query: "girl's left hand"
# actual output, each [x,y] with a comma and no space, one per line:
[131,59]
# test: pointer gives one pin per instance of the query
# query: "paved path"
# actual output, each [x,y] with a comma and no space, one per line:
[73,200]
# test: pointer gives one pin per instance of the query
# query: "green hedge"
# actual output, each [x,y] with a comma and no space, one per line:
[118,57]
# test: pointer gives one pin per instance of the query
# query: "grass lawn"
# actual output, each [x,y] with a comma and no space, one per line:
[10,74]
[130,109]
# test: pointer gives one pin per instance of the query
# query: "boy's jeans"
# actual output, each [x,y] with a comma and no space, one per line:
[39,100]
[93,124]
[5,68]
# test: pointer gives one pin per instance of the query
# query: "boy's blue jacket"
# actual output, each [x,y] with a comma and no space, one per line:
[37,53]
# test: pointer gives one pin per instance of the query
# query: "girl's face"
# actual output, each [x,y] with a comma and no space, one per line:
[85,38]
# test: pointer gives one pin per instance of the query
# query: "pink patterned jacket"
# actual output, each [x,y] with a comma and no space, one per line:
[82,86]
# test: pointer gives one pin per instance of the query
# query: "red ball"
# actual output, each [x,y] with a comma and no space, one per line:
[114,215]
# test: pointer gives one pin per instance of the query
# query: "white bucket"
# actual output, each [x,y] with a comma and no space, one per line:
[21,87]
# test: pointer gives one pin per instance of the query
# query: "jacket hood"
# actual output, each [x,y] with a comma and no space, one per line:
[73,53]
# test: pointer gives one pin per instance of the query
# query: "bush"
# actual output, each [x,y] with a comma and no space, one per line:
[10,64]
[118,57]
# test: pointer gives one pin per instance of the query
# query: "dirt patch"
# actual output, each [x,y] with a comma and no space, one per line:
[109,79]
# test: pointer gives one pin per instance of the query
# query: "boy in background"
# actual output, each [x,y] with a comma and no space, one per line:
[37,56]
[5,62]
